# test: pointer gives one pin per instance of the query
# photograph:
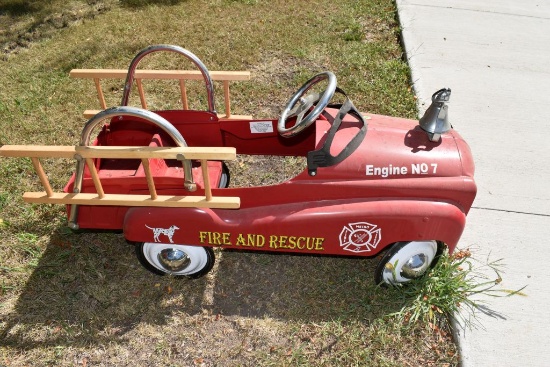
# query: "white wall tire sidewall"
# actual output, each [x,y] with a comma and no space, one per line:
[197,255]
[428,248]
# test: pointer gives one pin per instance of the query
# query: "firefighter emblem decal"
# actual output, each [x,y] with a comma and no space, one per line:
[360,237]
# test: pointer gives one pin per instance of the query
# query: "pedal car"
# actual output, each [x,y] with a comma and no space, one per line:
[373,184]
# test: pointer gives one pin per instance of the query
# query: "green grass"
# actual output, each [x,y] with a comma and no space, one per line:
[82,299]
[451,290]
[23,21]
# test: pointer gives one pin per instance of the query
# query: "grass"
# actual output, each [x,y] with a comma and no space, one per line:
[449,292]
[25,21]
[68,299]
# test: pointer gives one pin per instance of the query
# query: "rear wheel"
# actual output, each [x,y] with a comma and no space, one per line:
[177,260]
[405,261]
[225,177]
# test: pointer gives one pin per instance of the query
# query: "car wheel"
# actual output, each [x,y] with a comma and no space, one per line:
[405,261]
[177,260]
[225,177]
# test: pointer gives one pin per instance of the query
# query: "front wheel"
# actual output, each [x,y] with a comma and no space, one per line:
[177,260]
[405,261]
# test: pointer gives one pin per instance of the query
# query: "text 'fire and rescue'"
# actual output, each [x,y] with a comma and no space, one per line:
[257,240]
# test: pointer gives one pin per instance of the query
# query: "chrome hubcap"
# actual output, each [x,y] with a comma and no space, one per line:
[173,260]
[415,267]
[408,260]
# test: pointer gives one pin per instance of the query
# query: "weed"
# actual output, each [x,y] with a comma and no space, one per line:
[3,201]
[27,238]
[450,291]
[354,32]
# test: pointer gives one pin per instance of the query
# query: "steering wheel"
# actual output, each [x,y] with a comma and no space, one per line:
[299,105]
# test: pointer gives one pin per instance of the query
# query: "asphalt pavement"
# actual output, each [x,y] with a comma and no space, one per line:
[495,57]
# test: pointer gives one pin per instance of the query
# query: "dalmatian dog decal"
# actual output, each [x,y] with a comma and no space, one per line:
[168,232]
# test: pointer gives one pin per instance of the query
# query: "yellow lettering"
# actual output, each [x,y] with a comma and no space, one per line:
[216,238]
[273,241]
[225,238]
[240,240]
[260,240]
[319,244]
[251,240]
[309,243]
[292,242]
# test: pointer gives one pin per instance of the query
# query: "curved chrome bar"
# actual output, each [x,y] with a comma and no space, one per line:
[134,112]
[191,56]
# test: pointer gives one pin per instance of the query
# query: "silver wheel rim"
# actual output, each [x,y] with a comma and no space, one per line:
[175,259]
[410,262]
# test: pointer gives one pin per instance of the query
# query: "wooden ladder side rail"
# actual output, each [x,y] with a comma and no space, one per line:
[181,75]
[35,152]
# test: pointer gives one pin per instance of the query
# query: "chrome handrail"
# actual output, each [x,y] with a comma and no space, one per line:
[180,50]
[119,112]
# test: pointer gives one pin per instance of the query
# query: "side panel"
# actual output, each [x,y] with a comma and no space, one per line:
[325,227]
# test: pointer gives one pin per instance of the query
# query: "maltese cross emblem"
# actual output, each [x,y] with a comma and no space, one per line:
[360,237]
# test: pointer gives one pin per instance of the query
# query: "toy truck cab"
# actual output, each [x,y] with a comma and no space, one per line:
[372,183]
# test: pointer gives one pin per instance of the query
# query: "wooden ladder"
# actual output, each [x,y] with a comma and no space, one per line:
[88,153]
[180,75]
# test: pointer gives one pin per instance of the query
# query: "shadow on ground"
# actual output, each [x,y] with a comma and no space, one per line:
[89,288]
[142,3]
[18,8]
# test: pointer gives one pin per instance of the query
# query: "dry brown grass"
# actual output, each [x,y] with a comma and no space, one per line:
[82,299]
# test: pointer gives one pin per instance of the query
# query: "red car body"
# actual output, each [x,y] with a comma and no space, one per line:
[371,182]
[396,186]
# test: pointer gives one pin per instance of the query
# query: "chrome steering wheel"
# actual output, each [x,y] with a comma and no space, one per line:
[298,105]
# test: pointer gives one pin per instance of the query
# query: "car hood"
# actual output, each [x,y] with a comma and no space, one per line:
[394,148]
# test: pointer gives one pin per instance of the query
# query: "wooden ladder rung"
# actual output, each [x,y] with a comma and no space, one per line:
[121,152]
[222,116]
[149,176]
[222,202]
[95,177]
[180,75]
[158,74]
[42,175]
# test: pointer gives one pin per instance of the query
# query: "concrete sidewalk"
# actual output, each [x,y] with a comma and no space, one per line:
[495,56]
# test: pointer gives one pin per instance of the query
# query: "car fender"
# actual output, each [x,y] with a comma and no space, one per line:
[326,227]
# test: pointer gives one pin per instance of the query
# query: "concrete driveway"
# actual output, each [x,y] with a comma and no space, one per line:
[495,56]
